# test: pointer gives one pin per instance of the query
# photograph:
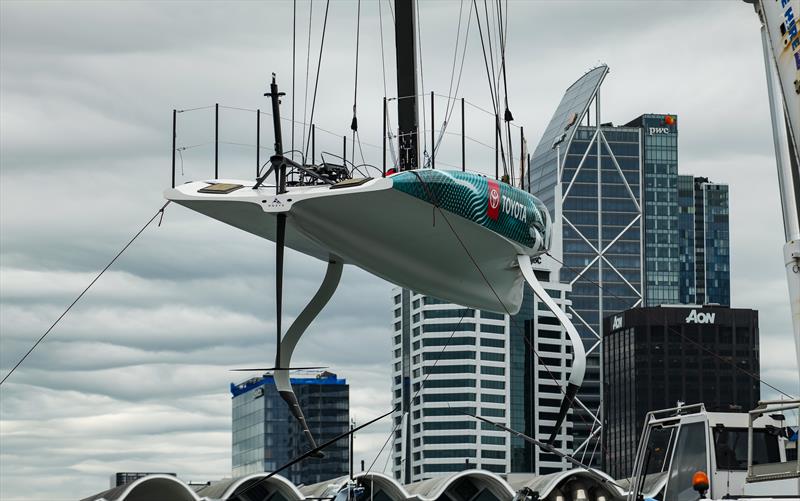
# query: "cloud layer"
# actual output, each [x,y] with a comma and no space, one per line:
[136,377]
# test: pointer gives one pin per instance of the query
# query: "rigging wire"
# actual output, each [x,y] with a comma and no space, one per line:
[354,123]
[452,107]
[294,59]
[502,33]
[96,278]
[422,385]
[392,151]
[319,65]
[308,59]
[422,85]
[489,75]
[455,59]
[491,54]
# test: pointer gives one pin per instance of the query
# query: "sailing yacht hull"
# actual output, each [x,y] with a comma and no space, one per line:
[429,232]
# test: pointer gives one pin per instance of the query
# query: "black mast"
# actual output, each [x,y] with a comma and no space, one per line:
[406,52]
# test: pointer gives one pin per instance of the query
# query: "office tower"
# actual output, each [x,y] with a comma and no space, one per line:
[704,241]
[266,436]
[621,223]
[659,171]
[589,175]
[656,357]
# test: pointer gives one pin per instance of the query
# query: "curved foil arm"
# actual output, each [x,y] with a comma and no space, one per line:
[578,351]
[293,335]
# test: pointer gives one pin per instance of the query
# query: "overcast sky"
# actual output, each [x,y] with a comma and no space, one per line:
[136,377]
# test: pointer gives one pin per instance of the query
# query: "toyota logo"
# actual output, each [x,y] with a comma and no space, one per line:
[494,198]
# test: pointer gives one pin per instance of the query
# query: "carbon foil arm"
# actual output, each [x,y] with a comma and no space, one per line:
[578,351]
[293,335]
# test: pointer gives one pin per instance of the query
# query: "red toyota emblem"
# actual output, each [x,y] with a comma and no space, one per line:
[493,209]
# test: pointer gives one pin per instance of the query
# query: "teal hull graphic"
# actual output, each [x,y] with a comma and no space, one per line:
[510,212]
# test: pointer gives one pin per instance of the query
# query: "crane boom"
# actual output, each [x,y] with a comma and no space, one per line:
[780,21]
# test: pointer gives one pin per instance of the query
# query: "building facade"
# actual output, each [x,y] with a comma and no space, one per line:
[620,223]
[659,164]
[657,357]
[704,240]
[449,360]
[266,436]
[540,362]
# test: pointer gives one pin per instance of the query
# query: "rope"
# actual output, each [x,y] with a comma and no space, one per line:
[159,211]
[319,65]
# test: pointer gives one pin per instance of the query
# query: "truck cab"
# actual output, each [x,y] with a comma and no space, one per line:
[740,454]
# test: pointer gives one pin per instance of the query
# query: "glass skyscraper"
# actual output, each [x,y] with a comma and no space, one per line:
[621,228]
[266,436]
[660,211]
[704,238]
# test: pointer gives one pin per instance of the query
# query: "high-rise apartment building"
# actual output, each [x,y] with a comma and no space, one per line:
[266,435]
[656,357]
[540,361]
[449,360]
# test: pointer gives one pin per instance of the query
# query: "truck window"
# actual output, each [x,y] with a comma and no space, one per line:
[689,458]
[730,446]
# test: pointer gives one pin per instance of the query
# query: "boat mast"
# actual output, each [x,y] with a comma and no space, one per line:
[406,55]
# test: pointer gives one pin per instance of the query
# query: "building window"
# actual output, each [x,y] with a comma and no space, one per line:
[493,357]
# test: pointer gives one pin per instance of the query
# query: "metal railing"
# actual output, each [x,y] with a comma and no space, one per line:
[432,153]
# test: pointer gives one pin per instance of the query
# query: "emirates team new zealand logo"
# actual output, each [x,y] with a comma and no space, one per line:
[493,207]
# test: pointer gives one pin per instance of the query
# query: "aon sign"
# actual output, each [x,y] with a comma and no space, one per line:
[700,318]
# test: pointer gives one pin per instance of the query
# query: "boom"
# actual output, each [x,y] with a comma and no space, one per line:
[781,41]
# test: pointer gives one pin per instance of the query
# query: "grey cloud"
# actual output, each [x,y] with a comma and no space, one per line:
[87,92]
